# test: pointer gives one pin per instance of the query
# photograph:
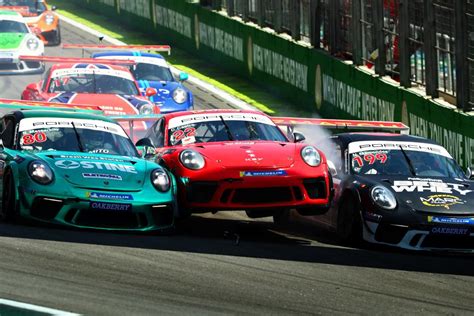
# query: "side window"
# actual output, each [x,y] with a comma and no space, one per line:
[156,133]
[7,132]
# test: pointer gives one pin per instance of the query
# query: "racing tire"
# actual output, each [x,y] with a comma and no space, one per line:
[9,210]
[282,217]
[349,225]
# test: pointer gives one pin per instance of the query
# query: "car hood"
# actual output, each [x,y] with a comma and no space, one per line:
[94,171]
[433,194]
[238,155]
[11,40]
[111,104]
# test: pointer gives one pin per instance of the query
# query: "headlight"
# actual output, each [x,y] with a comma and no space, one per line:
[49,19]
[191,159]
[40,172]
[160,180]
[32,44]
[179,95]
[383,197]
[311,156]
[146,109]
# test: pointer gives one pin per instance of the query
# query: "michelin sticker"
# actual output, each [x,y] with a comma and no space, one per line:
[429,185]
[102,176]
[451,220]
[109,196]
[271,173]
[71,164]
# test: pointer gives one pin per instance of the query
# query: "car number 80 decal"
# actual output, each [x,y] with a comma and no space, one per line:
[39,137]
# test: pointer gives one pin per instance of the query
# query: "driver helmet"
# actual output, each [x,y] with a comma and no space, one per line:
[93,139]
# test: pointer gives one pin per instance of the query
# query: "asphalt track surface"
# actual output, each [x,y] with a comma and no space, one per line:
[220,264]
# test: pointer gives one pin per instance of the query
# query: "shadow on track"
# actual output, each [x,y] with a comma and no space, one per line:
[253,239]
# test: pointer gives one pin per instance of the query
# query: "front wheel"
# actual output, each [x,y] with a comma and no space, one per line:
[9,209]
[349,226]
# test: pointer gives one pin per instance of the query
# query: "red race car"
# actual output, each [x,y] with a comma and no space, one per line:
[87,81]
[239,160]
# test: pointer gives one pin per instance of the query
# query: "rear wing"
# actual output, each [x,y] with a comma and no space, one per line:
[154,48]
[131,119]
[348,125]
[55,59]
[20,105]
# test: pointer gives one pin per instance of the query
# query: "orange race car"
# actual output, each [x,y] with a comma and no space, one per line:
[40,18]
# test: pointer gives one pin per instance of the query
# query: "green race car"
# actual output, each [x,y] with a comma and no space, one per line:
[79,169]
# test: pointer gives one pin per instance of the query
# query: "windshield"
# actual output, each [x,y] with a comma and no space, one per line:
[31,7]
[402,158]
[222,127]
[92,81]
[79,135]
[7,26]
[151,72]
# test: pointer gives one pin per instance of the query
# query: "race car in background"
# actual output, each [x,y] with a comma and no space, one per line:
[394,189]
[238,160]
[42,21]
[17,39]
[68,167]
[87,81]
[150,70]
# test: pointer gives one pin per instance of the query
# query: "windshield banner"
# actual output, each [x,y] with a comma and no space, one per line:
[356,147]
[90,71]
[34,123]
[197,118]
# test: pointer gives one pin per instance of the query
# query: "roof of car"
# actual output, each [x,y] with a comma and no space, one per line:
[367,136]
[127,53]
[64,114]
[84,66]
[11,15]
[213,111]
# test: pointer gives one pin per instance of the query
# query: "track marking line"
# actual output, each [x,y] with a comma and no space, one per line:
[35,308]
[207,86]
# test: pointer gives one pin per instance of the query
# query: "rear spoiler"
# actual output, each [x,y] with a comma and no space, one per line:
[131,119]
[360,125]
[54,59]
[39,105]
[155,48]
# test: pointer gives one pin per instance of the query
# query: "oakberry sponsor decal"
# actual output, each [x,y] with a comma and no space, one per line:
[442,200]
[450,231]
[429,185]
[105,206]
[71,164]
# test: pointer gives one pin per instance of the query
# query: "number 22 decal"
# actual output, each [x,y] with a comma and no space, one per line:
[180,134]
[29,139]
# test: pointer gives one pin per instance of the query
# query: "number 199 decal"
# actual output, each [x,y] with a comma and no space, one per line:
[370,158]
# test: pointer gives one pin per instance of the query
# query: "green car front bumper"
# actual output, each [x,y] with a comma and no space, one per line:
[103,210]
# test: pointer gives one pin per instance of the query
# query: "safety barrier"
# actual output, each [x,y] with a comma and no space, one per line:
[310,78]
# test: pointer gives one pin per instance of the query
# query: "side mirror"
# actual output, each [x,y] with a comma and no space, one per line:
[298,137]
[470,173]
[54,8]
[32,86]
[332,168]
[144,142]
[183,76]
[149,92]
[2,148]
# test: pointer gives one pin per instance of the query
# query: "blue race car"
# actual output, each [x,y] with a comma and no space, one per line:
[152,70]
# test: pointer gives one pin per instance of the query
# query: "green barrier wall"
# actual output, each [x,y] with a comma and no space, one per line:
[308,77]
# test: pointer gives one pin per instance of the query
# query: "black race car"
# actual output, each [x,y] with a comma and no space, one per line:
[398,190]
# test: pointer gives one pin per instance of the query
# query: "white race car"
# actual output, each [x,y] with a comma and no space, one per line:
[17,39]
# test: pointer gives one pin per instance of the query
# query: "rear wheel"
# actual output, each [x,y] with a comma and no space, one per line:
[349,226]
[9,209]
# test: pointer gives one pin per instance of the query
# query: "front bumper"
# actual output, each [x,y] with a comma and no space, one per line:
[134,214]
[297,189]
[419,236]
[10,64]
[50,37]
